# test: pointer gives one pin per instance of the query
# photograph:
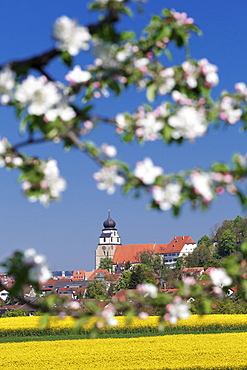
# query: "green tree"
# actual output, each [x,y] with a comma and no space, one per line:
[138,274]
[141,274]
[180,264]
[106,263]
[15,312]
[123,281]
[96,289]
[199,257]
[152,260]
[227,244]
[205,241]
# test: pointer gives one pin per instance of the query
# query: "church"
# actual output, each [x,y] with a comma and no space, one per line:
[110,246]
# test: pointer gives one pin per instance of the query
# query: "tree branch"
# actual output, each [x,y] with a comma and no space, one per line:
[29,141]
[41,60]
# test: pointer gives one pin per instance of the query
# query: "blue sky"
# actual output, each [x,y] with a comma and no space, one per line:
[67,232]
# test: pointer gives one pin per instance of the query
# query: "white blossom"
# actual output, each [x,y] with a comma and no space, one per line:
[190,71]
[38,269]
[74,305]
[52,184]
[177,310]
[121,121]
[71,37]
[167,73]
[209,71]
[167,196]
[143,315]
[108,315]
[169,81]
[124,53]
[17,161]
[147,172]
[55,183]
[142,62]
[39,94]
[182,18]
[77,75]
[3,147]
[7,83]
[180,98]
[149,127]
[228,112]
[219,277]
[188,123]
[65,112]
[149,290]
[167,86]
[202,183]
[241,88]
[109,150]
[107,178]
[105,53]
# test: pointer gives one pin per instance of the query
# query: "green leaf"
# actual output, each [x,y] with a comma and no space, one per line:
[81,321]
[167,133]
[244,248]
[23,125]
[220,167]
[151,92]
[168,54]
[164,32]
[127,137]
[44,321]
[127,35]
[67,58]
[113,85]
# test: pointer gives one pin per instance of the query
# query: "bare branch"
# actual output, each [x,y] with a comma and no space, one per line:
[29,141]
[41,60]
[35,62]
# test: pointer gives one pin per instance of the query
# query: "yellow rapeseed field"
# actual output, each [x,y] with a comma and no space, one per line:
[207,351]
[27,322]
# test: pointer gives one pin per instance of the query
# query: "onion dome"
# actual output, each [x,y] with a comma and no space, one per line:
[109,223]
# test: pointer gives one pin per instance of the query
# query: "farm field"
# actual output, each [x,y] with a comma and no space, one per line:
[209,342]
[26,326]
[188,351]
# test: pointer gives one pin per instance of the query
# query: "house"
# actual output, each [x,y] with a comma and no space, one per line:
[110,247]
[4,294]
[78,275]
[195,272]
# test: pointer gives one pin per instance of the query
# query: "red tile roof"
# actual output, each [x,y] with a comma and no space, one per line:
[96,272]
[88,274]
[132,252]
[11,307]
[177,244]
[191,269]
[123,295]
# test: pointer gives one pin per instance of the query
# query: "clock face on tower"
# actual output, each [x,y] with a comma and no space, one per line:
[104,248]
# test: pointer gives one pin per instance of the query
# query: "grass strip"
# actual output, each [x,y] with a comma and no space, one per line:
[104,335]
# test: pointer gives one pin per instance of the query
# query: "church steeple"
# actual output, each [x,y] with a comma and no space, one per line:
[109,223]
[109,235]
[108,240]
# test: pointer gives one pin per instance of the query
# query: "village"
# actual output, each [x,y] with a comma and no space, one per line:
[113,262]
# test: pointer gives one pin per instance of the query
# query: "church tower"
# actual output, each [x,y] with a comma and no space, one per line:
[108,241]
